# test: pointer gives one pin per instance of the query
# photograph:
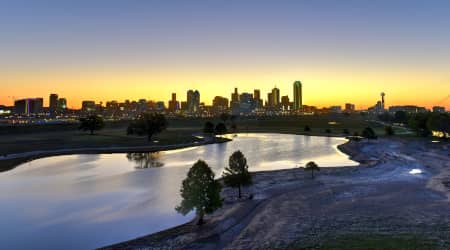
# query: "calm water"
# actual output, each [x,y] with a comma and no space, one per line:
[88,201]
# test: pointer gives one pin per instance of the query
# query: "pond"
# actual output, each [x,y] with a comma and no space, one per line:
[88,201]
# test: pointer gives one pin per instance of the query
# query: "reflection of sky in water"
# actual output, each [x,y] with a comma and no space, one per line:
[86,201]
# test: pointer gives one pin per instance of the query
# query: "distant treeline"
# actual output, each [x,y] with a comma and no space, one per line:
[422,123]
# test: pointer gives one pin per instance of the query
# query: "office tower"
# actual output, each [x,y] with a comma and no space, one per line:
[276,97]
[269,103]
[193,101]
[53,104]
[235,105]
[257,98]
[220,104]
[62,104]
[246,103]
[28,106]
[298,98]
[174,105]
[285,102]
[349,107]
[88,106]
[438,109]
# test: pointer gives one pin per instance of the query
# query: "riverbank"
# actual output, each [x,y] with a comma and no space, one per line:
[401,188]
[10,161]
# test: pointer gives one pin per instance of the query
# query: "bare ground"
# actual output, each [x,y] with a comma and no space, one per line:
[401,187]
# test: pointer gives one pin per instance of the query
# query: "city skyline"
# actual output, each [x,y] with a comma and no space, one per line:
[342,51]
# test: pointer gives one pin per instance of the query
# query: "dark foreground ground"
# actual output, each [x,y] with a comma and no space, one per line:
[383,204]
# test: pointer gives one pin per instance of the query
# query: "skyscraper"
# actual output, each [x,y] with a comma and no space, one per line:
[257,98]
[298,102]
[174,105]
[193,101]
[53,104]
[276,97]
[235,105]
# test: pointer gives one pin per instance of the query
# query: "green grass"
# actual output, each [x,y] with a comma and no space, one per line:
[371,242]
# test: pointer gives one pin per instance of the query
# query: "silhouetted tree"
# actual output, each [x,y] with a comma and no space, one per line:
[149,124]
[401,117]
[418,123]
[208,127]
[345,131]
[311,166]
[389,130]
[369,133]
[200,191]
[91,123]
[307,128]
[236,174]
[224,117]
[439,123]
[145,160]
[221,128]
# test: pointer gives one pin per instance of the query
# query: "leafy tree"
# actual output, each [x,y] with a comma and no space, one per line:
[200,191]
[307,128]
[389,130]
[440,123]
[385,117]
[236,174]
[224,117]
[418,123]
[346,131]
[328,131]
[311,166]
[221,128]
[369,133]
[401,117]
[149,124]
[208,127]
[91,123]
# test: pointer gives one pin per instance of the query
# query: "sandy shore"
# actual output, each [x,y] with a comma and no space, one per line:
[401,186]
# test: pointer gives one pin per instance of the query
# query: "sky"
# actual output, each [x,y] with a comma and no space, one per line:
[342,51]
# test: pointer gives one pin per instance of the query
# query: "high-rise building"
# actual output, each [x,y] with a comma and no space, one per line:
[88,106]
[298,98]
[53,104]
[276,97]
[62,104]
[28,106]
[235,105]
[349,107]
[246,103]
[193,101]
[174,105]
[269,103]
[220,104]
[285,102]
[257,98]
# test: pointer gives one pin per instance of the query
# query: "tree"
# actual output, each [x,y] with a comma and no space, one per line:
[369,133]
[236,174]
[401,117]
[439,123]
[418,123]
[200,191]
[91,123]
[311,166]
[389,130]
[224,117]
[221,128]
[346,131]
[208,127]
[307,128]
[148,123]
[328,131]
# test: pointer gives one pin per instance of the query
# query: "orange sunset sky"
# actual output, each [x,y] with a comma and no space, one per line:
[115,50]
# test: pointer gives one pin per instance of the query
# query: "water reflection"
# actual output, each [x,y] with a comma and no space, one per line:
[145,160]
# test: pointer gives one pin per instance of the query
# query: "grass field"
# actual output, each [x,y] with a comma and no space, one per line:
[19,140]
